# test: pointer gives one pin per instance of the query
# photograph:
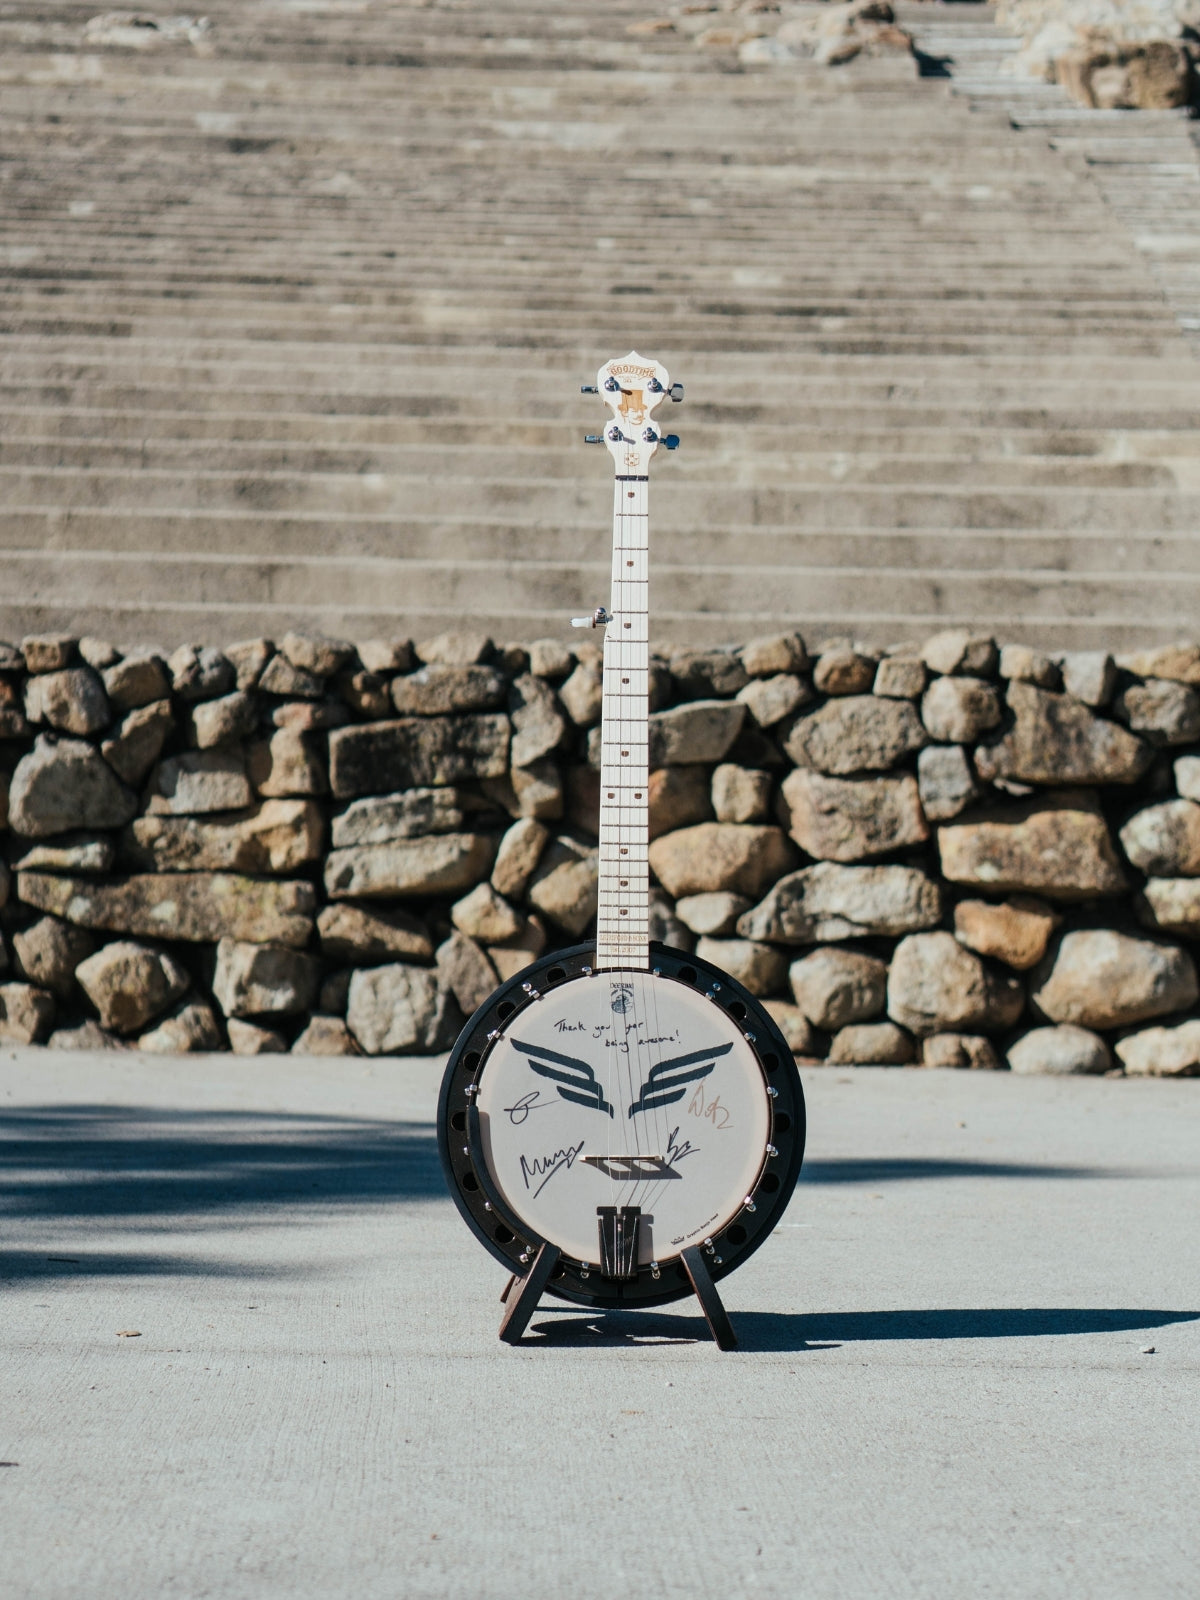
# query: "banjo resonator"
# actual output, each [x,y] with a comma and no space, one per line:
[622,1123]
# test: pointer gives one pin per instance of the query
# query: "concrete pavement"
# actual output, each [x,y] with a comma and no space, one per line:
[943,1388]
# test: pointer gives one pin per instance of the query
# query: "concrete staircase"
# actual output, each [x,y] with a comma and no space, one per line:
[292,331]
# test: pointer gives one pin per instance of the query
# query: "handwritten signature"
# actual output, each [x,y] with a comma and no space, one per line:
[677,1151]
[518,1113]
[544,1167]
[711,1110]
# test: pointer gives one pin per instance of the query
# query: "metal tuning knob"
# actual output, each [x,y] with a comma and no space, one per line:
[588,388]
[670,440]
[676,392]
[593,438]
[598,619]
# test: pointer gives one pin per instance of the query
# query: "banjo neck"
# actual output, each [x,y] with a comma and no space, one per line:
[632,387]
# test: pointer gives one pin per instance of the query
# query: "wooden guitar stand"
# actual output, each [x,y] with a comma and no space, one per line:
[519,1308]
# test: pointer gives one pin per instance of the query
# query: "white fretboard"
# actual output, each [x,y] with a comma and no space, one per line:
[621,926]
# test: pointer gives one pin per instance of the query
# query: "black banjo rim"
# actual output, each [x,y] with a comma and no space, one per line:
[511,1241]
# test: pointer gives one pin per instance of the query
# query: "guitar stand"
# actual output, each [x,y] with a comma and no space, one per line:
[519,1307]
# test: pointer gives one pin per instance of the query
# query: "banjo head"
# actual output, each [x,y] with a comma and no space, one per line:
[622,1116]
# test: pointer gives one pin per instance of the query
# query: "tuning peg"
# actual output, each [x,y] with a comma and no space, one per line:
[597,619]
[593,438]
[676,392]
[588,388]
[671,440]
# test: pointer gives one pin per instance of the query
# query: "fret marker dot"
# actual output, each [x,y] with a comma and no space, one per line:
[629,624]
[622,912]
[624,752]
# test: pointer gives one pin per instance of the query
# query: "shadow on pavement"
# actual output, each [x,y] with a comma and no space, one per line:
[134,1164]
[779,1330]
[886,1169]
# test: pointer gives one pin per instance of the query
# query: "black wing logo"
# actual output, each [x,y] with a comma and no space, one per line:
[668,1081]
[575,1079]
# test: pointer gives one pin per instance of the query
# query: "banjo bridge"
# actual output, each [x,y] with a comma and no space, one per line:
[631,1167]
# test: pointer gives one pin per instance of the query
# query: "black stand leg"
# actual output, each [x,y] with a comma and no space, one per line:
[507,1289]
[719,1324]
[520,1306]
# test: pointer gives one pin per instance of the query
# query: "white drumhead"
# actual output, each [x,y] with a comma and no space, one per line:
[623,1089]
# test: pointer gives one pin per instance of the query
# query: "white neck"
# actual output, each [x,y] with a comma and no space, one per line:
[622,938]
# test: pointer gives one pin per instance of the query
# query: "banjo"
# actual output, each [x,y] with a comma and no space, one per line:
[622,1124]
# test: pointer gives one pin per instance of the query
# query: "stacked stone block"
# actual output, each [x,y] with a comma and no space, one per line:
[948,854]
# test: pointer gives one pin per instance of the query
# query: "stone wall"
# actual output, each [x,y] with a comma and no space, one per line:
[951,854]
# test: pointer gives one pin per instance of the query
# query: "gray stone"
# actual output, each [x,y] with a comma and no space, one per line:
[774,653]
[935,985]
[1057,740]
[795,1027]
[277,836]
[71,702]
[325,1036]
[538,790]
[715,856]
[1058,846]
[193,1028]
[217,722]
[1029,666]
[582,693]
[1016,932]
[137,741]
[465,971]
[196,906]
[836,987]
[852,819]
[367,694]
[395,1010]
[565,886]
[1164,840]
[704,674]
[248,1039]
[263,979]
[960,651]
[958,710]
[381,818]
[1163,713]
[65,784]
[313,716]
[945,782]
[900,678]
[757,967]
[840,672]
[1187,776]
[486,916]
[664,926]
[281,678]
[416,752]
[740,794]
[200,674]
[199,781]
[770,700]
[959,1050]
[550,658]
[871,1044]
[130,983]
[1089,675]
[1100,978]
[286,764]
[71,852]
[442,863]
[1178,662]
[386,655]
[712,914]
[1059,1051]
[516,859]
[701,731]
[539,725]
[679,797]
[248,658]
[48,652]
[462,649]
[49,950]
[26,1013]
[1172,905]
[313,652]
[829,902]
[1162,1052]
[436,690]
[364,936]
[88,1035]
[860,733]
[136,681]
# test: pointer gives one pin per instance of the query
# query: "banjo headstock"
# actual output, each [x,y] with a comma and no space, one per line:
[632,387]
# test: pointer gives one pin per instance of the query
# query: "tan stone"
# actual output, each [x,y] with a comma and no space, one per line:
[832,902]
[740,794]
[793,1024]
[958,650]
[1029,666]
[70,852]
[900,678]
[417,752]
[71,702]
[712,914]
[1172,905]
[716,856]
[516,954]
[396,1010]
[223,721]
[859,733]
[456,649]
[774,653]
[64,784]
[1162,1052]
[565,886]
[442,863]
[959,1050]
[382,818]
[49,950]
[248,1039]
[935,985]
[958,710]
[199,906]
[26,1013]
[364,936]
[1099,978]
[276,836]
[582,694]
[137,741]
[248,658]
[1057,740]
[192,1028]
[313,652]
[325,1036]
[871,1044]
[1059,1051]
[287,763]
[1058,846]
[945,782]
[852,819]
[252,980]
[48,652]
[1164,840]
[757,967]
[678,796]
[1180,662]
[538,790]
[199,781]
[1162,712]
[517,858]
[486,916]
[770,700]
[465,971]
[843,671]
[836,987]
[1089,675]
[1016,932]
[700,731]
[129,983]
